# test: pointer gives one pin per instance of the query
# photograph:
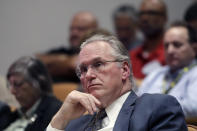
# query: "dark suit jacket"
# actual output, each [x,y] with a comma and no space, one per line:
[154,112]
[48,106]
[4,110]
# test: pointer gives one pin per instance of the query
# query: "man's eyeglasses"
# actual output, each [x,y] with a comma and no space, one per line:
[96,66]
[151,12]
[16,84]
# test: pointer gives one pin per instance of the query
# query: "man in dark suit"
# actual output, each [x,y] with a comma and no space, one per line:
[104,69]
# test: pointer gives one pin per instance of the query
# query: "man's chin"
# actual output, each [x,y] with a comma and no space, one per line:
[174,67]
[95,93]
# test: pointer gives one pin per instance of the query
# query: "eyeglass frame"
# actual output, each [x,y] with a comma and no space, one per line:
[16,85]
[93,66]
[152,13]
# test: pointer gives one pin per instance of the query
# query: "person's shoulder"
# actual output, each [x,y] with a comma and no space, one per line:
[156,97]
[46,109]
[159,105]
[48,105]
[51,100]
[158,101]
[194,69]
[136,50]
[4,107]
[158,111]
[153,76]
[159,70]
[191,74]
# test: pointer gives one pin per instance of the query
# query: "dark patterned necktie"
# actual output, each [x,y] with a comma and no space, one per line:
[96,122]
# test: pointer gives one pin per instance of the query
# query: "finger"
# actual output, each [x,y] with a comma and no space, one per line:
[76,97]
[93,103]
[86,103]
[97,102]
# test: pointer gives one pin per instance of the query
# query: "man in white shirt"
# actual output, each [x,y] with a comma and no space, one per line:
[104,69]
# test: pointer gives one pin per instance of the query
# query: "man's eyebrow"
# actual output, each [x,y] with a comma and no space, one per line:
[92,61]
[97,59]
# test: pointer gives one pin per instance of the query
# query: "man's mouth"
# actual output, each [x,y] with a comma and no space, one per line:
[92,86]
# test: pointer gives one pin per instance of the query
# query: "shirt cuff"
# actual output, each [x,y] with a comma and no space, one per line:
[50,128]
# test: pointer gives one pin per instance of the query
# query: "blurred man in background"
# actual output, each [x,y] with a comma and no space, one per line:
[149,56]
[125,20]
[61,62]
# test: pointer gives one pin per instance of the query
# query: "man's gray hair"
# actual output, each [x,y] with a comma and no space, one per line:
[119,51]
[33,71]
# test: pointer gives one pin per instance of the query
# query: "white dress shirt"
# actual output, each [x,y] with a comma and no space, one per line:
[185,90]
[26,118]
[112,114]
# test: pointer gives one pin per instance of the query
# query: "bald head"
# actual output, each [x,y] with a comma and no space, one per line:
[81,23]
[153,17]
[87,17]
[157,5]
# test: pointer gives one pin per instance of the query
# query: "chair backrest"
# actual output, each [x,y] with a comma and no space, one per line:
[61,90]
[191,121]
[192,128]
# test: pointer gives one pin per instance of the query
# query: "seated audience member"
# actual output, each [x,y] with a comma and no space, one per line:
[191,15]
[104,69]
[125,23]
[191,18]
[61,62]
[5,95]
[179,77]
[30,83]
[150,55]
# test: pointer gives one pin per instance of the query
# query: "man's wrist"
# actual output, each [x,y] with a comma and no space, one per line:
[59,121]
[50,128]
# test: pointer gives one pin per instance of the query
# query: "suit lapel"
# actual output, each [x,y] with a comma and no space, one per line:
[122,122]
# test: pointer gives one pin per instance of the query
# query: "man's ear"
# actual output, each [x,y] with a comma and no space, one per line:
[125,70]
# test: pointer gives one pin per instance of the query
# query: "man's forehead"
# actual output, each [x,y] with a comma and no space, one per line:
[95,46]
[95,50]
[16,77]
[155,5]
[176,33]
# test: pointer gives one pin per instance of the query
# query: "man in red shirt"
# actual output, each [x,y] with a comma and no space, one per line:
[150,55]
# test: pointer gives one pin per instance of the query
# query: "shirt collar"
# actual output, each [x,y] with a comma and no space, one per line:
[114,109]
[31,111]
[173,75]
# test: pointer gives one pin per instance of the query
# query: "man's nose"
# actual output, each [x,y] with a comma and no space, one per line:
[12,90]
[90,73]
[170,49]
